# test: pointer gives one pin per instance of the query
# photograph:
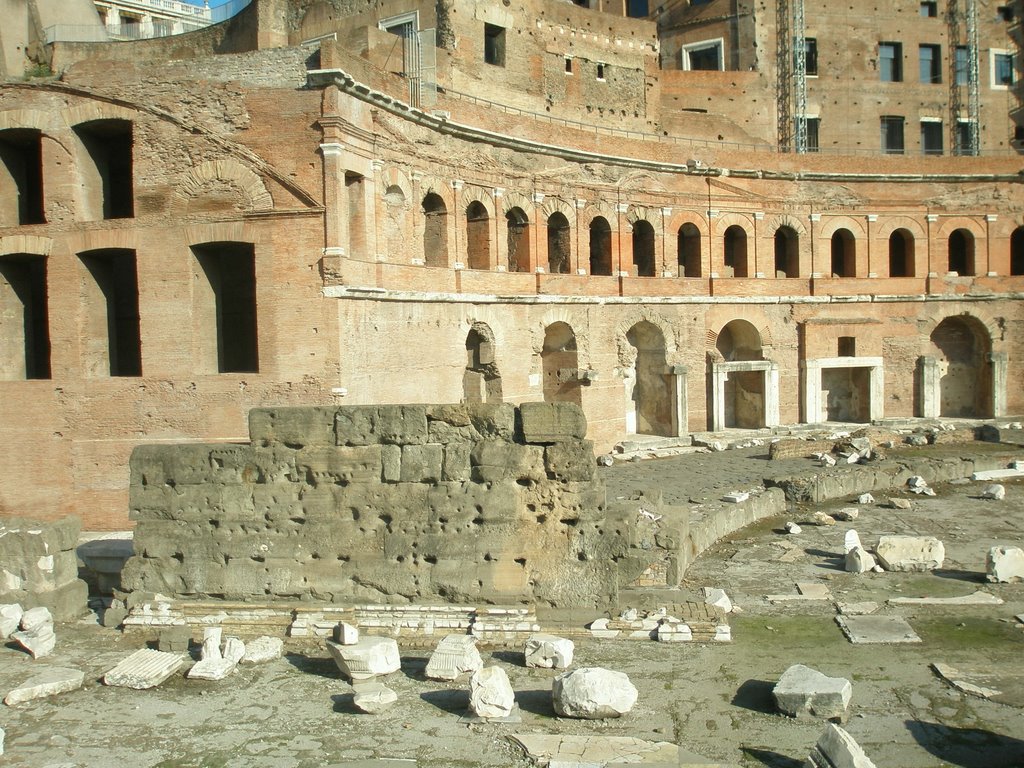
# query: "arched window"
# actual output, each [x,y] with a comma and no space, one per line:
[559,249]
[735,251]
[844,254]
[1017,252]
[688,242]
[901,254]
[435,231]
[961,252]
[518,240]
[643,248]
[478,236]
[787,252]
[600,247]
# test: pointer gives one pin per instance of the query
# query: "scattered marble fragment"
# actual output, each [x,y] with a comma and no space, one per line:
[975,598]
[910,553]
[813,590]
[373,697]
[897,503]
[995,491]
[599,750]
[49,682]
[36,635]
[792,528]
[1016,469]
[600,628]
[454,655]
[263,649]
[629,614]
[717,598]
[346,634]
[593,693]
[837,749]
[369,657]
[877,630]
[490,693]
[1005,564]
[234,650]
[858,609]
[953,676]
[805,692]
[736,497]
[211,644]
[605,460]
[674,631]
[846,514]
[145,668]
[851,541]
[548,651]
[859,560]
[917,482]
[211,669]
[10,618]
[865,498]
[820,518]
[825,459]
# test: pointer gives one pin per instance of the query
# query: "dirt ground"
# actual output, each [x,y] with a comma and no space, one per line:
[714,700]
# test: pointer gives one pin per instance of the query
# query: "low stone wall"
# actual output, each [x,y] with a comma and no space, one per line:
[400,503]
[39,567]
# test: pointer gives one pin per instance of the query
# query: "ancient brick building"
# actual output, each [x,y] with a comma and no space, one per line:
[699,216]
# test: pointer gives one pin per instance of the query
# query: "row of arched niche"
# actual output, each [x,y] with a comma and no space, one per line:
[958,350]
[736,258]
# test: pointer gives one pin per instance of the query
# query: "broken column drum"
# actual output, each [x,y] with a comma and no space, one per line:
[489,503]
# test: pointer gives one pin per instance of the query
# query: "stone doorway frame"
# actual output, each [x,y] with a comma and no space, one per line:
[814,404]
[720,374]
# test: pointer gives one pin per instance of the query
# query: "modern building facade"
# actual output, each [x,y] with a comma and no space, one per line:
[318,202]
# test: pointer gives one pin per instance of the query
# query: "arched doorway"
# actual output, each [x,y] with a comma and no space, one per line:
[734,245]
[901,254]
[742,376]
[961,252]
[478,236]
[688,242]
[652,392]
[643,248]
[481,382]
[787,252]
[560,364]
[961,349]
[518,240]
[844,254]
[559,244]
[600,246]
[435,231]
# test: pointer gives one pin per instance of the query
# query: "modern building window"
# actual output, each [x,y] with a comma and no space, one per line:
[111,344]
[931,137]
[24,321]
[892,134]
[21,178]
[637,9]
[929,9]
[224,307]
[963,62]
[811,56]
[704,56]
[811,125]
[1005,13]
[930,63]
[964,138]
[1002,69]
[107,183]
[890,62]
[494,45]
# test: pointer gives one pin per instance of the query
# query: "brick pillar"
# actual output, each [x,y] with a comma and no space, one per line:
[622,243]
[500,231]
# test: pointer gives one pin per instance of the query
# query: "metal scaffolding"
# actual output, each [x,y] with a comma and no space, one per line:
[791,63]
[799,78]
[962,15]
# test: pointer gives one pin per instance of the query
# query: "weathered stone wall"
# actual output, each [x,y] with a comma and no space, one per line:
[39,567]
[459,503]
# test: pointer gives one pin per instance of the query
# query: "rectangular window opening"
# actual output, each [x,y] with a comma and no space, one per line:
[892,134]
[930,61]
[931,137]
[568,65]
[811,126]
[847,346]
[21,178]
[1005,13]
[704,56]
[929,9]
[107,176]
[1002,69]
[963,60]
[964,143]
[24,318]
[111,341]
[811,56]
[637,9]
[494,45]
[224,307]
[890,62]
[600,71]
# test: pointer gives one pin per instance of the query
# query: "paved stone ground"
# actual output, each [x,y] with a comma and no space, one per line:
[711,699]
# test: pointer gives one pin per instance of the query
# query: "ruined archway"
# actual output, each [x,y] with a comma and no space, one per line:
[560,363]
[652,392]
[481,381]
[961,348]
[741,381]
[600,246]
[518,240]
[559,248]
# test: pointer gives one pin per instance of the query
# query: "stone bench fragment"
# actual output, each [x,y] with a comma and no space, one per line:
[373,697]
[995,491]
[837,749]
[211,669]
[490,693]
[805,692]
[548,651]
[455,655]
[49,682]
[262,650]
[10,619]
[369,657]
[593,693]
[910,553]
[36,635]
[1005,564]
[145,668]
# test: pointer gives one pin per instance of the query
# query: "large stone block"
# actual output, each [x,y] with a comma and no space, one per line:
[49,682]
[571,461]
[495,460]
[340,465]
[421,463]
[456,465]
[454,655]
[490,693]
[390,424]
[548,651]
[593,693]
[293,427]
[1005,564]
[910,553]
[805,692]
[552,422]
[177,465]
[470,422]
[369,657]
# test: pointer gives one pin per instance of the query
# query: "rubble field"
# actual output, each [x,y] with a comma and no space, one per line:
[712,699]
